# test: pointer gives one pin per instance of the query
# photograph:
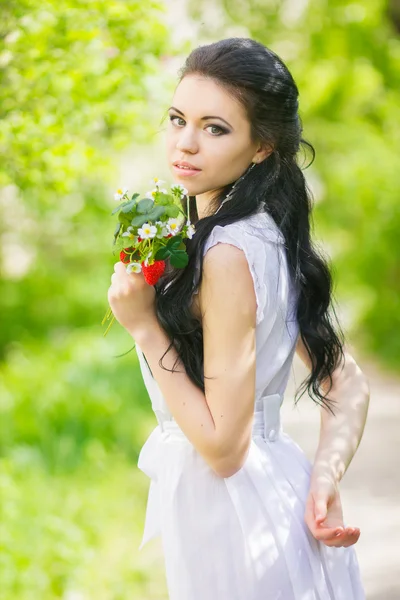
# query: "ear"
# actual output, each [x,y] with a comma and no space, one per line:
[262,153]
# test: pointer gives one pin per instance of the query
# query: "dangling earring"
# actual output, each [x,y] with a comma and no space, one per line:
[229,196]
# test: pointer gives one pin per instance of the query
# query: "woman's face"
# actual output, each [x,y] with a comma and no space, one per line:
[210,130]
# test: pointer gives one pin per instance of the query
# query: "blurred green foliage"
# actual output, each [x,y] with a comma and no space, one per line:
[78,82]
[345,57]
[64,398]
[74,536]
[76,78]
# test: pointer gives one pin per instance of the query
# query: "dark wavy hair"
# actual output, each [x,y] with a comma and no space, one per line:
[257,77]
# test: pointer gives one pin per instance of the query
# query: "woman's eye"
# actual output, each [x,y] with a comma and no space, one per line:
[172,117]
[222,131]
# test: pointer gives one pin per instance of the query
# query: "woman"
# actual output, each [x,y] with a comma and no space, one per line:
[242,513]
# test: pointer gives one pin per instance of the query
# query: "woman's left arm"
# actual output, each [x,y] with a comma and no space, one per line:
[340,434]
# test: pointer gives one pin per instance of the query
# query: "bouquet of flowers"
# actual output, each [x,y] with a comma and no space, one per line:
[150,231]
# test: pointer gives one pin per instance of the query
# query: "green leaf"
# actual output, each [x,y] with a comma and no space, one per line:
[134,196]
[144,206]
[117,209]
[117,229]
[124,242]
[172,210]
[174,241]
[139,220]
[163,199]
[156,213]
[162,253]
[124,219]
[122,206]
[116,232]
[179,259]
[128,206]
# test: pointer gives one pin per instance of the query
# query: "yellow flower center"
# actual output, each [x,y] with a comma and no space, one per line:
[119,191]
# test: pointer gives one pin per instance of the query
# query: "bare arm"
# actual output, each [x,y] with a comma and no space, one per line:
[219,422]
[340,435]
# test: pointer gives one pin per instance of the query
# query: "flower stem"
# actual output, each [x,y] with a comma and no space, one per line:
[107,316]
[107,330]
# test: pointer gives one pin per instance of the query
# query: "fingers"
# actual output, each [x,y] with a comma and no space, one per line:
[336,536]
[329,535]
[349,536]
[119,267]
[325,533]
[120,270]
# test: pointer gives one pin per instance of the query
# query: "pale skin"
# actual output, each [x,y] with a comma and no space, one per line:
[219,422]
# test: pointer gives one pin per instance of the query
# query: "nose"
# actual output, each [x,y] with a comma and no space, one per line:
[187,141]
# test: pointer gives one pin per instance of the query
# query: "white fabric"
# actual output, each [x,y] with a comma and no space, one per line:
[244,537]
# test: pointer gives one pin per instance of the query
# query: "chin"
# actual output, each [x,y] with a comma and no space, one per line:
[191,190]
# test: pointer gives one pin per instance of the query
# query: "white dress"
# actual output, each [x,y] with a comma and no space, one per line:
[244,537]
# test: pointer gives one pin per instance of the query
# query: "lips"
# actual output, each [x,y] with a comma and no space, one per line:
[187,165]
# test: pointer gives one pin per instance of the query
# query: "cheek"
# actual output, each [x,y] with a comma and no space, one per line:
[227,157]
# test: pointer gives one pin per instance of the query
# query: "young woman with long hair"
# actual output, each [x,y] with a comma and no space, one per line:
[242,513]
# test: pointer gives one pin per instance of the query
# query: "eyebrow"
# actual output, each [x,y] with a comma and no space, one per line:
[202,118]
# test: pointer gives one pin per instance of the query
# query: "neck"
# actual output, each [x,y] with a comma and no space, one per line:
[203,203]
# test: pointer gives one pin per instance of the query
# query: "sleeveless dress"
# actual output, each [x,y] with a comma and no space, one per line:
[244,537]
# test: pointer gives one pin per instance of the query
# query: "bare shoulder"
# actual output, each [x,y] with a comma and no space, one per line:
[227,282]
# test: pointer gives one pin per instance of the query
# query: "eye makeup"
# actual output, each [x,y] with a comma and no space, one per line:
[222,130]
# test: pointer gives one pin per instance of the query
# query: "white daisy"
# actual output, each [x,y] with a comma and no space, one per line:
[120,193]
[128,233]
[157,181]
[152,193]
[147,231]
[173,226]
[134,267]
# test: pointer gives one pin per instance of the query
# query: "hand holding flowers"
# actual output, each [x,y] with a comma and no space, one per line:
[131,300]
[149,232]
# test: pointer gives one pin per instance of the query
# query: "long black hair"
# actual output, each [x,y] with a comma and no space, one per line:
[257,77]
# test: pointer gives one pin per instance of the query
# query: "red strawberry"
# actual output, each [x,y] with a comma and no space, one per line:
[124,257]
[152,273]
